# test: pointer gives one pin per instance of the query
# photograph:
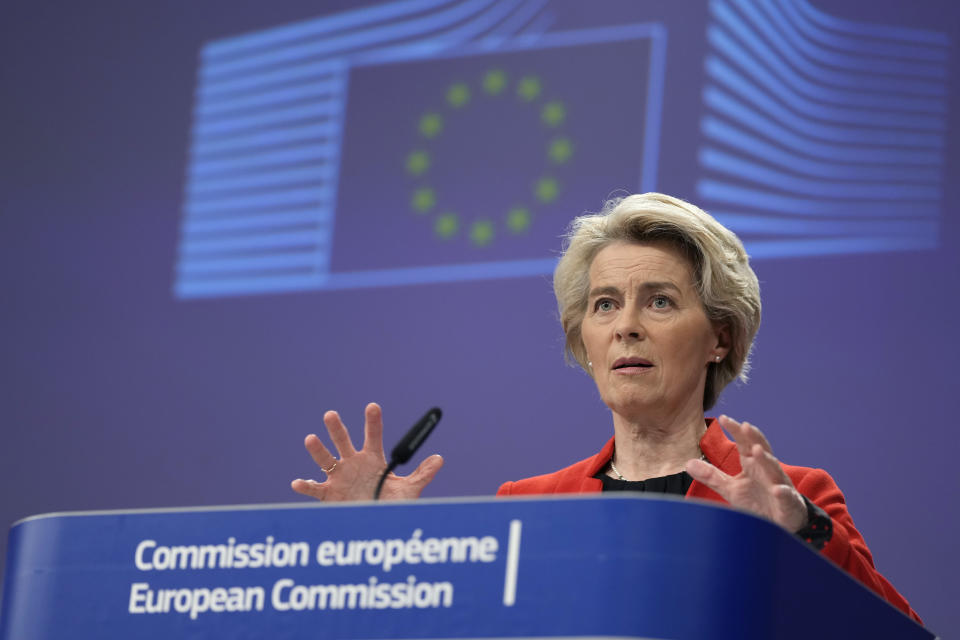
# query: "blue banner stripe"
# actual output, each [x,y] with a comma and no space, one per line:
[307,90]
[746,224]
[523,15]
[203,146]
[365,279]
[844,80]
[317,27]
[258,81]
[552,40]
[259,222]
[835,246]
[435,274]
[289,240]
[188,288]
[745,170]
[304,153]
[318,110]
[276,198]
[870,30]
[539,25]
[328,46]
[874,116]
[808,126]
[750,119]
[777,27]
[444,273]
[437,46]
[886,62]
[231,266]
[475,27]
[924,50]
[758,57]
[652,126]
[309,174]
[719,131]
[813,207]
[850,146]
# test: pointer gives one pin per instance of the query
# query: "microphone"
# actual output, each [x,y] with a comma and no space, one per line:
[409,444]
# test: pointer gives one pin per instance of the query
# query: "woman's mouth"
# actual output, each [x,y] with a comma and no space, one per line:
[631,365]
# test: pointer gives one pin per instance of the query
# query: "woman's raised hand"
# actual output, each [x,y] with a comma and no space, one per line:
[762,486]
[355,475]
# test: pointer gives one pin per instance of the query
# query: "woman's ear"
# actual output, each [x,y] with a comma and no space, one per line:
[722,343]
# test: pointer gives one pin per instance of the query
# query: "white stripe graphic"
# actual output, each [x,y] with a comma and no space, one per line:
[513,559]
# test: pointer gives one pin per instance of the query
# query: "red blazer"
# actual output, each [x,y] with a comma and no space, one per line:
[846,548]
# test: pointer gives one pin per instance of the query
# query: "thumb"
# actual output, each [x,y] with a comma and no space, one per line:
[423,474]
[791,508]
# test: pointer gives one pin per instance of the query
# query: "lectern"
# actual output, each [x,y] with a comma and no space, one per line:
[620,566]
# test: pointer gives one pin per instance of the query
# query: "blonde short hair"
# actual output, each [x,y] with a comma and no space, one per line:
[727,286]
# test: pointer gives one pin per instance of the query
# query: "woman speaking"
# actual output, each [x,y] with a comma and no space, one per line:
[659,306]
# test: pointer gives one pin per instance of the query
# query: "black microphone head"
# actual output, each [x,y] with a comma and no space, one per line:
[409,444]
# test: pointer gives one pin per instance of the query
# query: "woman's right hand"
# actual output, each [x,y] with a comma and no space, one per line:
[355,475]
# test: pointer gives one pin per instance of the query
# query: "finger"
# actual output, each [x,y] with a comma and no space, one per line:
[309,488]
[373,429]
[756,436]
[707,474]
[425,472]
[768,464]
[755,466]
[734,429]
[318,452]
[338,433]
[745,435]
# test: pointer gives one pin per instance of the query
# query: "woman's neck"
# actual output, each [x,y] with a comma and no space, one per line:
[650,449]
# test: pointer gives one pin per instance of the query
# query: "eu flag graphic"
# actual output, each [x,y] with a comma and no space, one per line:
[411,152]
[439,140]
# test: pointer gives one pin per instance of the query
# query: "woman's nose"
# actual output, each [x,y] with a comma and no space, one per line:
[629,327]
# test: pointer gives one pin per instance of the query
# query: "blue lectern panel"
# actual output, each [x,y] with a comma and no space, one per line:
[575,567]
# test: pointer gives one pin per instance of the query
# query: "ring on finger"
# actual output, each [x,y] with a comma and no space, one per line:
[332,467]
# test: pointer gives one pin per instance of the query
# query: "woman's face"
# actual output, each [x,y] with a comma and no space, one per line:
[646,333]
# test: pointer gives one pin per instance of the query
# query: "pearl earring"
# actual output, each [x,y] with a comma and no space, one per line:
[590,364]
[718,358]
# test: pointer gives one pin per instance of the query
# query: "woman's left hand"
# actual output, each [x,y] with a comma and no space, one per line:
[762,486]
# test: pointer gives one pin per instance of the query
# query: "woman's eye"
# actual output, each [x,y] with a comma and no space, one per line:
[661,302]
[604,305]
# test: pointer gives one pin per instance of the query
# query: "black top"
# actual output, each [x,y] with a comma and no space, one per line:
[817,532]
[676,484]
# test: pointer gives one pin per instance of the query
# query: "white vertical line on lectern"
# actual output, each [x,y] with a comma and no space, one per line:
[513,559]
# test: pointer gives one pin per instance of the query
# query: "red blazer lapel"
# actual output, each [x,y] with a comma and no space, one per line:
[722,453]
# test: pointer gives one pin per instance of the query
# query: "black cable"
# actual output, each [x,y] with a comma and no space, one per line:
[409,444]
[390,467]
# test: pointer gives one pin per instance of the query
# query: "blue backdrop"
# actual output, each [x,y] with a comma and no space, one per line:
[219,221]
